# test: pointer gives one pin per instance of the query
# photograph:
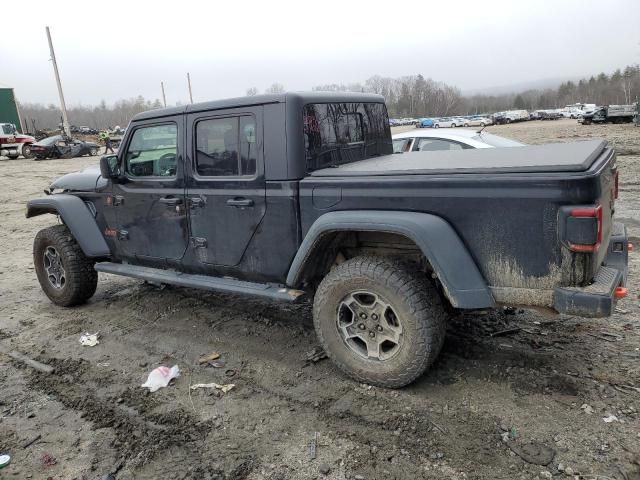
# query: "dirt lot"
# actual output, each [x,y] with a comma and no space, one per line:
[488,397]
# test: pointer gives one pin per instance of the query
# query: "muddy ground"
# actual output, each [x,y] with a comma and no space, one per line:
[551,382]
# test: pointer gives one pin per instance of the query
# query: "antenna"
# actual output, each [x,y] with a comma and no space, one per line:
[164,99]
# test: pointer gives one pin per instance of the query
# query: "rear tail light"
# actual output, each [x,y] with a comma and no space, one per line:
[616,188]
[620,292]
[588,212]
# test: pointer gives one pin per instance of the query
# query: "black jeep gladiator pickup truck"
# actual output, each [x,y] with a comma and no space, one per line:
[281,195]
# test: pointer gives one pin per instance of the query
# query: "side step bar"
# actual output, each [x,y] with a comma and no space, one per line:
[218,284]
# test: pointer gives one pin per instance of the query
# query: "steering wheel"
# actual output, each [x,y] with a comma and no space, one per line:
[167,165]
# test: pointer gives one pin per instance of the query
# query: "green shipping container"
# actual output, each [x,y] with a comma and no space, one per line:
[8,108]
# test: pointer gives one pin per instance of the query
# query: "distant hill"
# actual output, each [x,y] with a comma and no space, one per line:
[520,87]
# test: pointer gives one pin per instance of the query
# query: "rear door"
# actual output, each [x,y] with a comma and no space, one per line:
[150,205]
[226,189]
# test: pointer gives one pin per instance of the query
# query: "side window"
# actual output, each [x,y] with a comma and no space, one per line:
[434,144]
[401,145]
[153,151]
[226,147]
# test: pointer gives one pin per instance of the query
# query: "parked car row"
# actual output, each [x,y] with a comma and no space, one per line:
[452,122]
[398,122]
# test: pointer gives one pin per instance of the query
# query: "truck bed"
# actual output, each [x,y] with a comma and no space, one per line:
[505,204]
[559,157]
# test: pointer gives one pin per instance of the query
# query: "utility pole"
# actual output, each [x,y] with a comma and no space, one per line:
[164,99]
[189,82]
[63,106]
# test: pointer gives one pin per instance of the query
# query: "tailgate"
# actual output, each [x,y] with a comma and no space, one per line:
[585,229]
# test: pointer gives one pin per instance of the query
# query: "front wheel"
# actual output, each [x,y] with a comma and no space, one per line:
[26,151]
[380,322]
[93,152]
[65,274]
[436,126]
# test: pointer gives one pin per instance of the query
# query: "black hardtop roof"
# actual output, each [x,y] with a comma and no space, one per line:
[298,97]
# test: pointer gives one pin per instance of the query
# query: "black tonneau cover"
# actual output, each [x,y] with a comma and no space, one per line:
[556,157]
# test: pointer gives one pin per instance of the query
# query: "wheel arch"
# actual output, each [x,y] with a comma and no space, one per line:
[436,240]
[77,217]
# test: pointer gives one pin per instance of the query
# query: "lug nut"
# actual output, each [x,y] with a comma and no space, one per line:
[379,328]
[363,315]
[361,326]
[372,334]
[374,316]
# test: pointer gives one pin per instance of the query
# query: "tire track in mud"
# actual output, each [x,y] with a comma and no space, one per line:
[140,434]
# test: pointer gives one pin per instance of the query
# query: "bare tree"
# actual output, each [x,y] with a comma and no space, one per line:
[251,92]
[275,88]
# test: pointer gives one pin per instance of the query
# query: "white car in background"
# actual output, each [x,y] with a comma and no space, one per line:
[478,122]
[462,139]
[448,122]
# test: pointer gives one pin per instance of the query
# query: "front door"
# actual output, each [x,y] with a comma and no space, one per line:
[226,188]
[150,203]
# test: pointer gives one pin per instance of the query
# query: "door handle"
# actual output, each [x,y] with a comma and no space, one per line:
[171,201]
[240,202]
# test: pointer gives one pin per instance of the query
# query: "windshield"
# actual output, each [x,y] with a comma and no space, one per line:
[338,133]
[496,141]
[8,129]
[50,140]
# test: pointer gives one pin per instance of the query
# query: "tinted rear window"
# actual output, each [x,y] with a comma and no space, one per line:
[338,133]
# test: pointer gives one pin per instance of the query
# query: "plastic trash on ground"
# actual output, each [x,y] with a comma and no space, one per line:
[89,339]
[160,377]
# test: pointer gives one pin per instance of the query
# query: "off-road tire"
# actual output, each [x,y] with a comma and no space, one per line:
[93,152]
[81,279]
[410,293]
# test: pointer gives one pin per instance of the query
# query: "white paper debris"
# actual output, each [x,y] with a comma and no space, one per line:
[588,409]
[610,418]
[160,377]
[89,339]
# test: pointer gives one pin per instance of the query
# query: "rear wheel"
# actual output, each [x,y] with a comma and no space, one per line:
[436,126]
[65,274]
[380,322]
[93,151]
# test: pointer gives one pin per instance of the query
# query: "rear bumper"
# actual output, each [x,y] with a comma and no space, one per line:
[598,299]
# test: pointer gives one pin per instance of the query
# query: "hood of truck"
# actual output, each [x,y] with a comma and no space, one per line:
[550,158]
[86,180]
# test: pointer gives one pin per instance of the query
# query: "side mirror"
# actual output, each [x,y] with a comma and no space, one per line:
[110,167]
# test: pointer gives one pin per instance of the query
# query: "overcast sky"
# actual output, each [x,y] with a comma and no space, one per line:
[120,49]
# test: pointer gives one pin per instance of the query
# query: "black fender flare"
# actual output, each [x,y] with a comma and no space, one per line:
[77,216]
[461,279]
